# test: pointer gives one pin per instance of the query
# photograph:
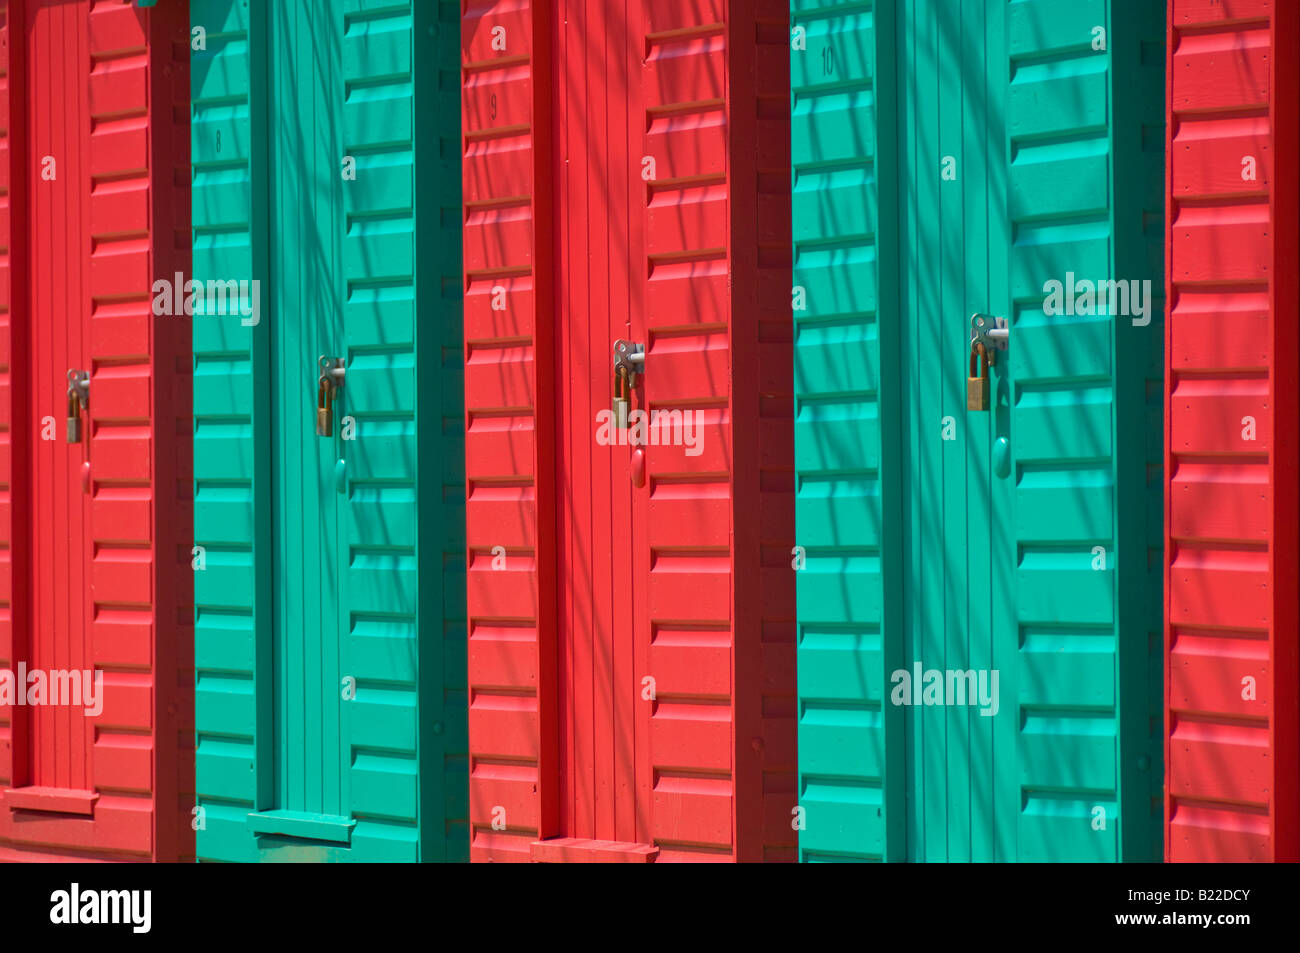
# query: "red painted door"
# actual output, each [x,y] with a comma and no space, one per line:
[1232,749]
[60,343]
[98,763]
[630,589]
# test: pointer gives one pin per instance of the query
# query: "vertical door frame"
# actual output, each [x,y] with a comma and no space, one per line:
[171,252]
[436,712]
[21,430]
[1284,122]
[892,408]
[1134,622]
[548,316]
[263,557]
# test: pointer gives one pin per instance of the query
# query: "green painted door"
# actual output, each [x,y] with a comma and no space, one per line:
[330,711]
[979,622]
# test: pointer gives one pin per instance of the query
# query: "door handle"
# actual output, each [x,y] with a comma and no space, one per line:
[332,375]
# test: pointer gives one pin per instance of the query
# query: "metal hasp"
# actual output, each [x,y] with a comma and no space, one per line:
[629,361]
[630,355]
[991,331]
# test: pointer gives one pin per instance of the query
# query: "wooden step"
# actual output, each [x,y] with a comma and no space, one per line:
[51,800]
[581,850]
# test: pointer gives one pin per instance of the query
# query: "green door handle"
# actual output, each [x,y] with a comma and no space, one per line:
[1002,456]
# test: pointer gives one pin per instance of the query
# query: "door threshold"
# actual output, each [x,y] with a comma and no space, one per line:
[582,850]
[304,824]
[50,800]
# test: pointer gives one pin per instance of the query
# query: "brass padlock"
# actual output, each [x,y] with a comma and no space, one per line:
[977,384]
[74,416]
[622,398]
[324,408]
